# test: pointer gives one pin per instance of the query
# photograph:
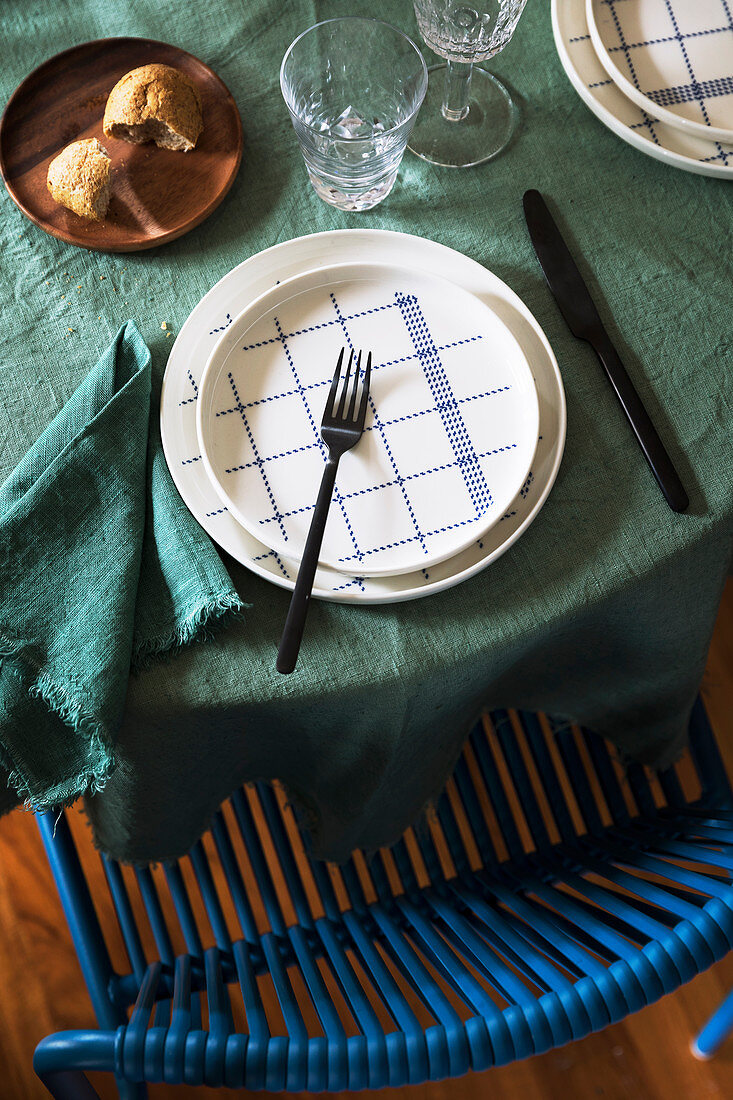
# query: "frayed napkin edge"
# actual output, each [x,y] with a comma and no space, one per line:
[67,707]
[201,625]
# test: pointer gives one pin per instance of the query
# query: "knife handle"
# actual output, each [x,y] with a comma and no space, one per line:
[645,432]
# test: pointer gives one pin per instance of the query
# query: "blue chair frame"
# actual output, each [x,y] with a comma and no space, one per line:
[715,1032]
[549,896]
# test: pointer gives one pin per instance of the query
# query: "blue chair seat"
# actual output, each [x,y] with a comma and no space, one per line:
[548,895]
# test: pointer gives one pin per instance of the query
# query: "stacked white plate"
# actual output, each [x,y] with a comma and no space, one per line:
[465,427]
[658,73]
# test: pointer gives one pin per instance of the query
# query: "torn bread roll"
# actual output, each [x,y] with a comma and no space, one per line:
[79,178]
[155,103]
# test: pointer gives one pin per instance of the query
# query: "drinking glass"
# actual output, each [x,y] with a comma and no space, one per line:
[353,88]
[468,115]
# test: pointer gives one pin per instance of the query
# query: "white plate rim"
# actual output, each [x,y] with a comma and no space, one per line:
[225,531]
[678,122]
[638,141]
[224,346]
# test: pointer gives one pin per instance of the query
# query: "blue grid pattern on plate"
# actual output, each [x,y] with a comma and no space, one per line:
[323,383]
[369,427]
[259,461]
[322,446]
[688,93]
[400,480]
[194,386]
[445,402]
[380,427]
[221,328]
[447,406]
[647,122]
[696,91]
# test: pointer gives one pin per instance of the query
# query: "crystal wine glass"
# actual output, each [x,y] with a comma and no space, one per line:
[468,115]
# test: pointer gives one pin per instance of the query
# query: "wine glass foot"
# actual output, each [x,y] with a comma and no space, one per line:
[480,136]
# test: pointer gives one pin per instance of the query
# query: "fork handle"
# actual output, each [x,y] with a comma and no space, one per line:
[287,654]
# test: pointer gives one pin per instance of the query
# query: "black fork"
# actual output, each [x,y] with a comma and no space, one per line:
[341,429]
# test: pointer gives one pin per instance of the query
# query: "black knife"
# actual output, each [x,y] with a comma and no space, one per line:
[578,309]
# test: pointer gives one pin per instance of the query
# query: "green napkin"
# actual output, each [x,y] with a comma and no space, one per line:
[101,568]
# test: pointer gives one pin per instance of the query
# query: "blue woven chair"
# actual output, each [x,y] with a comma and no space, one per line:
[550,896]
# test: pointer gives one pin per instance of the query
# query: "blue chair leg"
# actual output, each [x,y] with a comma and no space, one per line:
[81,916]
[91,952]
[69,1084]
[73,1084]
[716,1030]
[61,1059]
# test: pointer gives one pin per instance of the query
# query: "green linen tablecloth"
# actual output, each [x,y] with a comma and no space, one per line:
[602,612]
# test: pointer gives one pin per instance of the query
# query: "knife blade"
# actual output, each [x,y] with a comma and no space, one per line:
[580,313]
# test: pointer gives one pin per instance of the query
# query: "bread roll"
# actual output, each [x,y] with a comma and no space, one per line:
[155,103]
[79,178]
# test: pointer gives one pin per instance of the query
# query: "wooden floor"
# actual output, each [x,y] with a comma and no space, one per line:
[645,1058]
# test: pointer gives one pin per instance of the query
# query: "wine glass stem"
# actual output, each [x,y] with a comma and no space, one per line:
[457,90]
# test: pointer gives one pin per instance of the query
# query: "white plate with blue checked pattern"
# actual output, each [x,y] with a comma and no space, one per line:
[673,58]
[451,425]
[623,117]
[215,313]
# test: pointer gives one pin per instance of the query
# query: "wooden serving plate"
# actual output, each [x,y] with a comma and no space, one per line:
[157,194]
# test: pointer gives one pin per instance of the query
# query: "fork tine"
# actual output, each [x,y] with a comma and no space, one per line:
[365,395]
[342,403]
[352,403]
[335,382]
